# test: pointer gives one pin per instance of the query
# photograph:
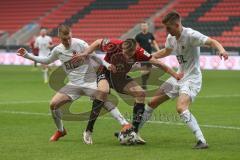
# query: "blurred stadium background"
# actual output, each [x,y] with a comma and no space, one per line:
[92,19]
[24,98]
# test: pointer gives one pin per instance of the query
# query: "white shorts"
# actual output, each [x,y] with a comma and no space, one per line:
[89,89]
[173,88]
[76,92]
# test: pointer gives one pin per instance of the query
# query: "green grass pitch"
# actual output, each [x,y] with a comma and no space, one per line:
[25,126]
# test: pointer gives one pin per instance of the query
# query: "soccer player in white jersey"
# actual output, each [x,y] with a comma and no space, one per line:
[82,80]
[185,42]
[43,42]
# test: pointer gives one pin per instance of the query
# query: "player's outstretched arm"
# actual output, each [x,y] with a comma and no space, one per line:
[44,60]
[162,53]
[100,61]
[215,44]
[156,45]
[166,69]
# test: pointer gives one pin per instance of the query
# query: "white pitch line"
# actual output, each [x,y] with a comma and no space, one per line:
[108,118]
[24,102]
[84,100]
[25,113]
[202,125]
[220,96]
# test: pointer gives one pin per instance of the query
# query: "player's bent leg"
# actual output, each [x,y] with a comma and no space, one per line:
[127,127]
[98,103]
[158,98]
[102,90]
[183,103]
[135,90]
[115,113]
[58,100]
[132,88]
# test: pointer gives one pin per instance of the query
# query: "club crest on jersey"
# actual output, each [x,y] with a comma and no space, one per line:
[108,46]
[111,47]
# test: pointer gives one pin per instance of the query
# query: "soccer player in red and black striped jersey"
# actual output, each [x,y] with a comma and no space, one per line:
[119,58]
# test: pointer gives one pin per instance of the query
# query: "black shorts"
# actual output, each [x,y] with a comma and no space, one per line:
[116,82]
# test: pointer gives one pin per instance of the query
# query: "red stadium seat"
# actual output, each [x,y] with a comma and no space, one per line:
[103,23]
[58,16]
[13,16]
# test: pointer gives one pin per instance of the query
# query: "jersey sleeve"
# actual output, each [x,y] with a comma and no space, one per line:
[99,60]
[45,60]
[197,38]
[169,42]
[142,55]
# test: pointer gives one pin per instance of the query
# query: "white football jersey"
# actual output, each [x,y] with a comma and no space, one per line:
[42,43]
[187,49]
[80,73]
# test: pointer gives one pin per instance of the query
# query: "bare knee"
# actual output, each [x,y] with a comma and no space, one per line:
[182,103]
[153,103]
[158,99]
[59,100]
[101,95]
[103,90]
[180,109]
[54,104]
[140,96]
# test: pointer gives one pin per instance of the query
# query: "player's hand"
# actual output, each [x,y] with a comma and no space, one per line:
[112,68]
[21,52]
[78,57]
[179,76]
[224,55]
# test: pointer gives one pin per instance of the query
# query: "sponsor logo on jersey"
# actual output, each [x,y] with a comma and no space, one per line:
[146,53]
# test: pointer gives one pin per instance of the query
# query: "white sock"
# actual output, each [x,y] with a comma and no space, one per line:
[191,121]
[148,109]
[147,114]
[118,116]
[45,75]
[56,114]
